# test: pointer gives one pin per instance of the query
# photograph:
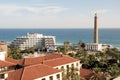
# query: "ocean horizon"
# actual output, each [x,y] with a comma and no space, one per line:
[106,35]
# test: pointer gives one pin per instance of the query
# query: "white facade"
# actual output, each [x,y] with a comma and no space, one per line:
[65,67]
[93,47]
[68,65]
[55,76]
[4,75]
[32,39]
[2,55]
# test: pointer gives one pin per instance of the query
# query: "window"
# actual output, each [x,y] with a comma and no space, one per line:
[62,68]
[58,76]
[67,67]
[72,65]
[51,78]
[1,76]
[76,64]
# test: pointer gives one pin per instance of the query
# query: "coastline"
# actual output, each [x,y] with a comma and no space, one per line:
[106,36]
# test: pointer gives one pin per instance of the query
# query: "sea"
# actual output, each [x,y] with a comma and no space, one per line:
[106,36]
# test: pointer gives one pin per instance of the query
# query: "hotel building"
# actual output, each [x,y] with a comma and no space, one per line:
[34,40]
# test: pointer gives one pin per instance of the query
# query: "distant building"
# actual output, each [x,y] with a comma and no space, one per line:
[94,46]
[3,48]
[34,40]
[39,68]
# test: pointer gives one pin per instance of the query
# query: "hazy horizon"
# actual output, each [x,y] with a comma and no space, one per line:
[59,13]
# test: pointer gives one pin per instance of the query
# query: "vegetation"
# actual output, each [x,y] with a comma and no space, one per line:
[29,50]
[105,65]
[14,53]
[70,74]
[66,46]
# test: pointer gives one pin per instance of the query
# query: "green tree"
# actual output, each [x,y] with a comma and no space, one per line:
[114,70]
[15,56]
[15,50]
[117,57]
[66,46]
[15,53]
[80,45]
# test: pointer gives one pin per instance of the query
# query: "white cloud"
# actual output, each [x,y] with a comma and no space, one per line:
[76,21]
[17,10]
[16,17]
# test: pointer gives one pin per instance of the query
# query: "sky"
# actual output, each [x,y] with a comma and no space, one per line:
[59,13]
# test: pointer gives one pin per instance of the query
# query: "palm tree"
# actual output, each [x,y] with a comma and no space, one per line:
[66,46]
[80,45]
[64,76]
[73,73]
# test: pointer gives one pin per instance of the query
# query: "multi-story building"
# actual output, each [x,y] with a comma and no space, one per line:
[47,67]
[34,40]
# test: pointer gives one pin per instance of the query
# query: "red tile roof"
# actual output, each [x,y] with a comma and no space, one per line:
[85,73]
[39,66]
[2,43]
[15,75]
[50,60]
[32,72]
[59,61]
[20,62]
[5,63]
[37,71]
[32,61]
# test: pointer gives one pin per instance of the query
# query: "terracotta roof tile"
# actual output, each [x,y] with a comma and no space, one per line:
[34,68]
[59,61]
[5,63]
[31,61]
[32,72]
[50,60]
[37,71]
[15,75]
[20,62]
[2,43]
[85,73]
[37,60]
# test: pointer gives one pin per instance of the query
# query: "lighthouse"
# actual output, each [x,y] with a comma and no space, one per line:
[95,29]
[95,46]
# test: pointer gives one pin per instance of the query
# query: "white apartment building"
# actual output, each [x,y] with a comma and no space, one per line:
[34,39]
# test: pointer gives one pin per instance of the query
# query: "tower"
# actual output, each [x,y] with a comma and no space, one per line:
[95,29]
